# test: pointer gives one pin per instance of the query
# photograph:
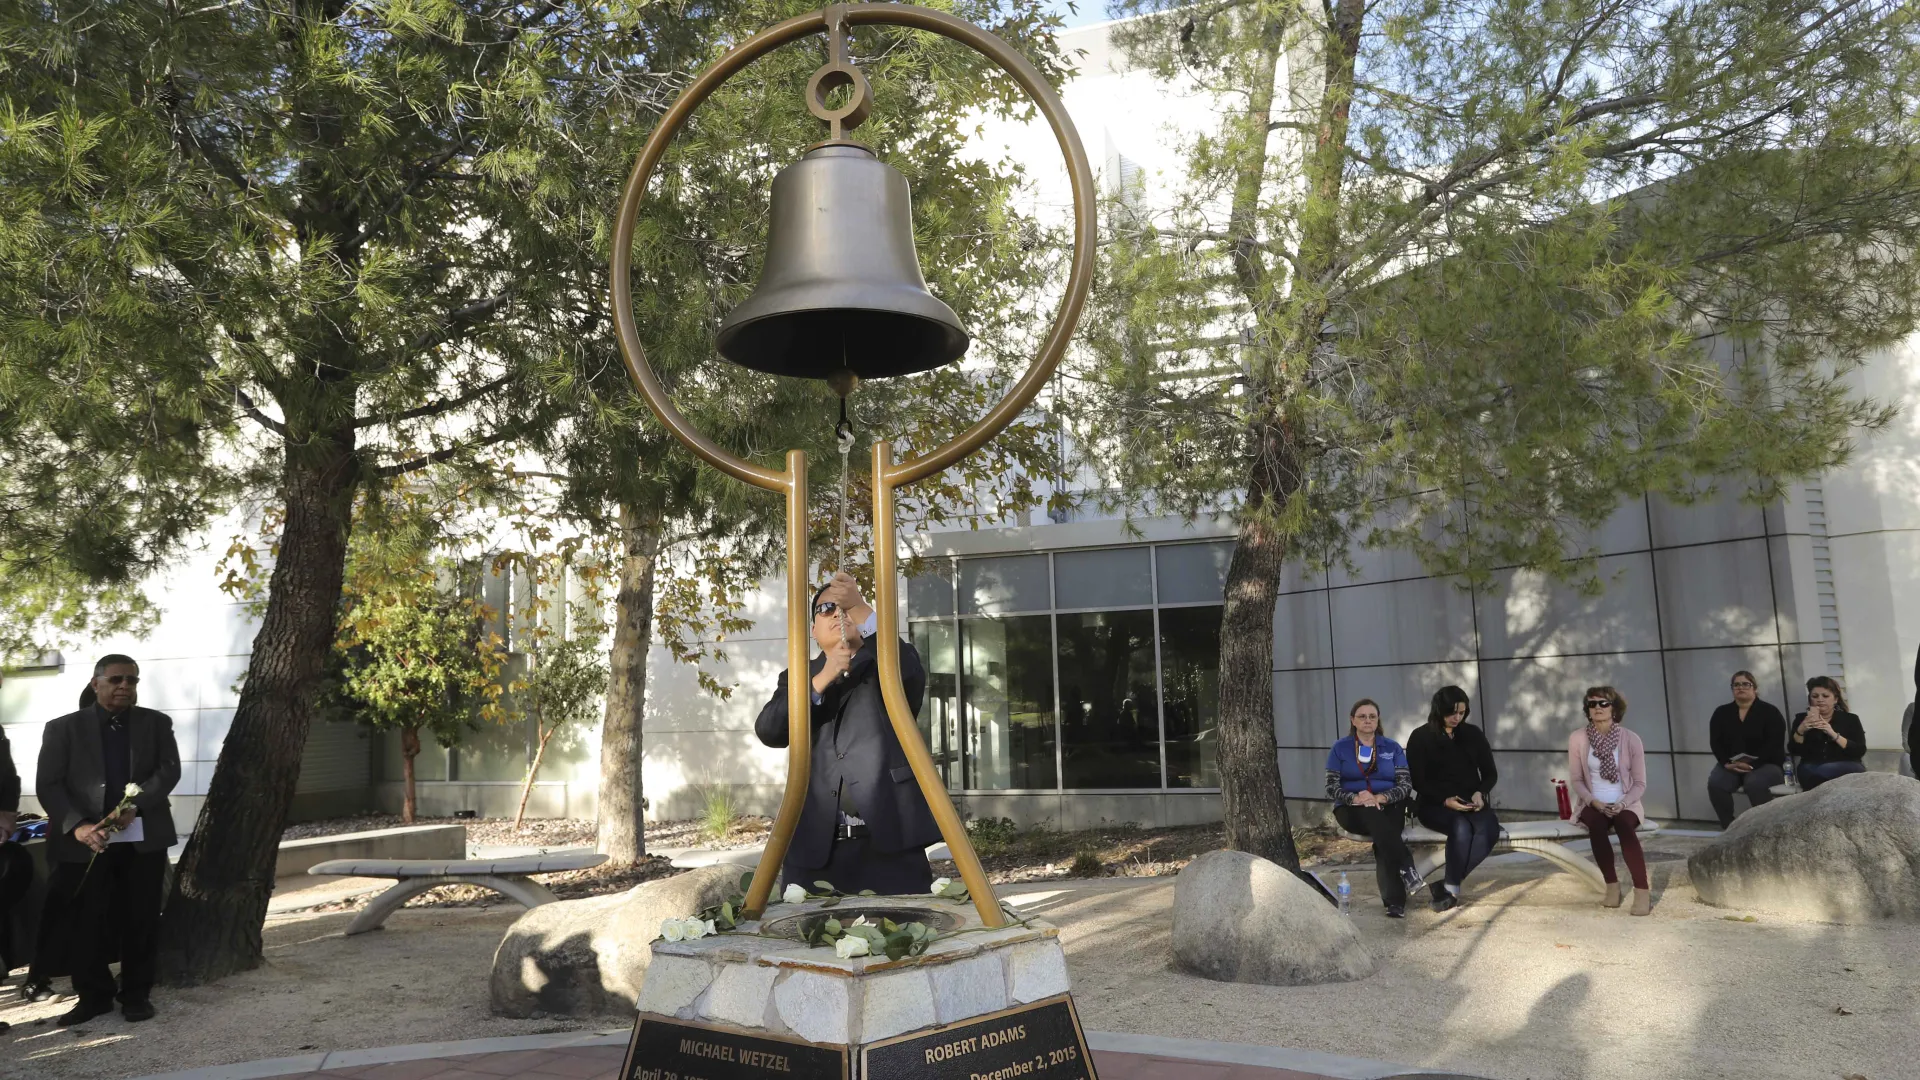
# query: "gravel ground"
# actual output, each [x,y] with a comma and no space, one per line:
[422,979]
[1530,980]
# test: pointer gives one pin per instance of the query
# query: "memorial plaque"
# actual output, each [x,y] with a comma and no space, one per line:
[1040,1040]
[677,1050]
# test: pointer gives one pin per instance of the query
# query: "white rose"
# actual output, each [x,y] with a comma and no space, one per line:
[694,929]
[673,930]
[132,790]
[861,921]
[940,883]
[794,895]
[710,928]
[851,946]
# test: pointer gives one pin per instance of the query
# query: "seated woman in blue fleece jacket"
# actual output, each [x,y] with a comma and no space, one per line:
[1368,781]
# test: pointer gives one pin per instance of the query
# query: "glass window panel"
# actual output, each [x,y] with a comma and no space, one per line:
[1109,709]
[1006,693]
[1116,577]
[1015,583]
[938,645]
[1193,573]
[1190,678]
[931,593]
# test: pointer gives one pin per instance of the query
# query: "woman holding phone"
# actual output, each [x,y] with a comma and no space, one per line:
[1607,765]
[1368,781]
[1827,738]
[1453,771]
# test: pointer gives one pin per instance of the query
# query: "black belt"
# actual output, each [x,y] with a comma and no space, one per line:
[844,831]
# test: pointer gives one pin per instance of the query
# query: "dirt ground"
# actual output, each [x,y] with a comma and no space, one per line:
[1529,980]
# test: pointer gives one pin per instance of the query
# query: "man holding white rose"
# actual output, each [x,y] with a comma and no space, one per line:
[109,755]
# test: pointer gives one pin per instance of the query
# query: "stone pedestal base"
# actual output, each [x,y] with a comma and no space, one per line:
[756,984]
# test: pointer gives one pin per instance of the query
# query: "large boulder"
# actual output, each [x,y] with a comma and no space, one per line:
[1239,918]
[587,957]
[1847,851]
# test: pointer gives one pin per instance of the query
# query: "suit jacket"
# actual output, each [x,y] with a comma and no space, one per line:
[9,779]
[71,782]
[1633,765]
[853,741]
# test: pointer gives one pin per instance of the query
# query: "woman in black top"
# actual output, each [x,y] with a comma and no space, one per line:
[1453,771]
[1827,738]
[1753,732]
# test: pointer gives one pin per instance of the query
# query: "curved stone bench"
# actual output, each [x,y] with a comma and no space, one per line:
[508,877]
[1546,839]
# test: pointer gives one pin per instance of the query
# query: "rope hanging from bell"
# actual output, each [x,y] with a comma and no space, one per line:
[843,382]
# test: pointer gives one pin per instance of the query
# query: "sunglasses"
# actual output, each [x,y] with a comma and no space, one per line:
[122,680]
[826,607]
[1599,703]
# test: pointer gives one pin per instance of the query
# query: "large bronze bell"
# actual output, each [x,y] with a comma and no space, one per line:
[841,289]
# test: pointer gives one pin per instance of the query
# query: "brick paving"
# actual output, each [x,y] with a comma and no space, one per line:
[603,1063]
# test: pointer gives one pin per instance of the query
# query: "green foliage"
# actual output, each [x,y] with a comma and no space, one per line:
[992,836]
[719,809]
[1479,271]
[414,650]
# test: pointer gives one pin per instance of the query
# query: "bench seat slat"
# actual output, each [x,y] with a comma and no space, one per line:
[415,868]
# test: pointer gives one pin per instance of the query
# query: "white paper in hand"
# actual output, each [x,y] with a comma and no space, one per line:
[133,833]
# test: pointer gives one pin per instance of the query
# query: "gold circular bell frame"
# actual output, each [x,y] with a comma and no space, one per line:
[888,475]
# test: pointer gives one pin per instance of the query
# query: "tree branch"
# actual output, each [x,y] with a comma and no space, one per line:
[435,408]
[259,417]
[401,468]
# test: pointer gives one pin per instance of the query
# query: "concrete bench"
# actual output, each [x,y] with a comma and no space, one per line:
[508,877]
[1546,839]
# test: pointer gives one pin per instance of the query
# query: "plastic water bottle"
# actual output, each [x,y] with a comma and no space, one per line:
[1792,783]
[1345,893]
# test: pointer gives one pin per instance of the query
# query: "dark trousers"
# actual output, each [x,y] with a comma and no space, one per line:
[1722,782]
[855,866]
[1390,854]
[1813,775]
[116,903]
[1470,838]
[1623,823]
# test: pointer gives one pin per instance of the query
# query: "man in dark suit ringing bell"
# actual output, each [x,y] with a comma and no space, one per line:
[865,824]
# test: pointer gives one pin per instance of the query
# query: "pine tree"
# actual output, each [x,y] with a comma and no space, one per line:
[313,247]
[1461,275]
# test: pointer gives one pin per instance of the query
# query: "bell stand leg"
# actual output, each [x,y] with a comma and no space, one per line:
[886,602]
[799,687]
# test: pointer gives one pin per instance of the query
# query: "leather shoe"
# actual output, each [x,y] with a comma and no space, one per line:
[38,991]
[1445,902]
[83,1012]
[1396,911]
[136,1011]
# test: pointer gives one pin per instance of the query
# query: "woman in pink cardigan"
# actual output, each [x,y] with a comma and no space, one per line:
[1608,767]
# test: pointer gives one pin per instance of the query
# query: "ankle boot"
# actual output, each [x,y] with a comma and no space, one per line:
[1642,902]
[1613,895]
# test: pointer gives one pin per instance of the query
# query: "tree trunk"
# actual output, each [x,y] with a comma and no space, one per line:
[533,770]
[1254,800]
[622,824]
[409,749]
[219,900]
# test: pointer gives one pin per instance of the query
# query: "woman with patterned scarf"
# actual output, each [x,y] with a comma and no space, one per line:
[1607,765]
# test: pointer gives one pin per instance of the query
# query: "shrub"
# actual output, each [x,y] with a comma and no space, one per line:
[718,811]
[992,836]
[1087,864]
